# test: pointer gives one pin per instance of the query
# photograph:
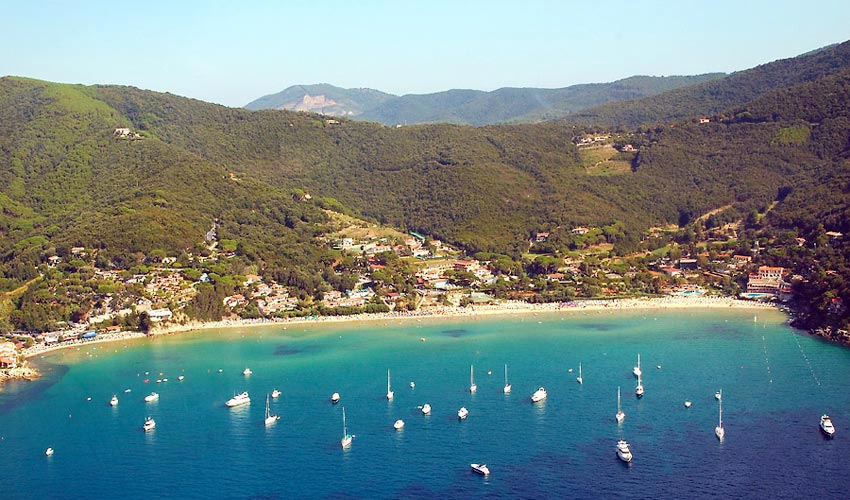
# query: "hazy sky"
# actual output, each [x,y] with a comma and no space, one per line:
[232,52]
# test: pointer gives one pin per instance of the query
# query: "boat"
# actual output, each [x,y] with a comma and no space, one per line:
[390,392]
[624,453]
[275,393]
[398,425]
[719,431]
[127,391]
[165,380]
[579,379]
[247,371]
[150,424]
[637,371]
[422,339]
[481,469]
[826,426]
[507,389]
[426,409]
[687,404]
[412,385]
[472,386]
[220,370]
[180,378]
[270,419]
[238,399]
[49,452]
[114,400]
[539,395]
[718,395]
[462,413]
[639,388]
[335,398]
[346,437]
[620,415]
[151,397]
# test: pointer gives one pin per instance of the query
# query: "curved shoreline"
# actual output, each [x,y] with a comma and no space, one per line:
[503,308]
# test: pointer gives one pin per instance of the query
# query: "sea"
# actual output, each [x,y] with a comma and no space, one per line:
[776,383]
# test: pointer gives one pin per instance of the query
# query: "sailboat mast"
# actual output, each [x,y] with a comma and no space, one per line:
[388,381]
[506,374]
[618,399]
[471,377]
[344,427]
[720,413]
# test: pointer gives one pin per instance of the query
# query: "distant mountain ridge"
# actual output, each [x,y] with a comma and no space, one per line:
[469,107]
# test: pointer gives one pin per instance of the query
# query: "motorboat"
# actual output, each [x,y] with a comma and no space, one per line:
[346,437]
[114,400]
[624,453]
[398,425]
[412,385]
[335,398]
[275,393]
[126,391]
[270,419]
[636,370]
[620,414]
[687,404]
[472,386]
[579,379]
[238,400]
[426,409]
[539,395]
[247,371]
[180,378]
[507,389]
[462,413]
[49,452]
[150,424]
[390,392]
[719,431]
[151,397]
[826,426]
[481,469]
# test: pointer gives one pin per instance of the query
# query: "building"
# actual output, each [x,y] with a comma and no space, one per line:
[8,355]
[767,272]
[163,314]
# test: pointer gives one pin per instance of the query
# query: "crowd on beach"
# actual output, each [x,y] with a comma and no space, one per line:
[506,307]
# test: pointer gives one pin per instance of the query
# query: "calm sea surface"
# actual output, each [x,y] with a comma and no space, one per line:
[776,383]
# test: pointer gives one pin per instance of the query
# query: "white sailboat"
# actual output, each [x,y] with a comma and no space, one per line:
[335,398]
[472,386]
[114,400]
[719,431]
[390,392]
[346,437]
[270,419]
[620,415]
[637,371]
[579,379]
[639,388]
[507,389]
[426,409]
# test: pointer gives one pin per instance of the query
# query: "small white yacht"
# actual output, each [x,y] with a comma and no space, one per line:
[335,398]
[150,424]
[426,409]
[539,395]
[180,378]
[247,371]
[114,400]
[462,413]
[620,414]
[579,379]
[346,437]
[275,393]
[826,426]
[636,370]
[238,400]
[639,388]
[481,469]
[270,419]
[398,425]
[719,431]
[49,452]
[687,404]
[472,386]
[151,397]
[390,392]
[623,451]
[507,389]
[412,385]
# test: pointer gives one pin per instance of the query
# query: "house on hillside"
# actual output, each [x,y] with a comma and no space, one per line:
[8,355]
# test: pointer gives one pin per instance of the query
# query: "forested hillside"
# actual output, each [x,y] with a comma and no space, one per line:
[717,96]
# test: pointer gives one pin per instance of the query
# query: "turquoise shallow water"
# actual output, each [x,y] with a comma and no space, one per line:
[776,383]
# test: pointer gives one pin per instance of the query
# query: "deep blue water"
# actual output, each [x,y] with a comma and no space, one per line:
[776,383]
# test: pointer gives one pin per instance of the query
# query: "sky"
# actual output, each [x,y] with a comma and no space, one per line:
[231,52]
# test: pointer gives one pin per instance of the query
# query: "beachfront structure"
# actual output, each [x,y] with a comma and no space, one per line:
[163,314]
[8,355]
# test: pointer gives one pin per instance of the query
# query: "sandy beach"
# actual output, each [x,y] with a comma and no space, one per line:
[506,307]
